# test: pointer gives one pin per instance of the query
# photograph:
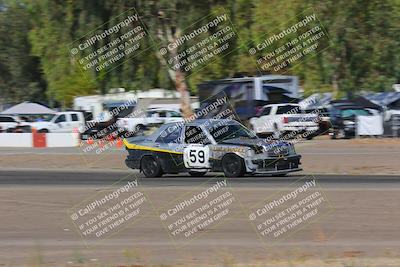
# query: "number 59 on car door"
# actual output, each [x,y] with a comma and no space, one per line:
[196,156]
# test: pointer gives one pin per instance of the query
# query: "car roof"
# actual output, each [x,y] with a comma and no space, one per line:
[10,116]
[162,109]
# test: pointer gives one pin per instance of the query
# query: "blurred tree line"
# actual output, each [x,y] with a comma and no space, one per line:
[35,61]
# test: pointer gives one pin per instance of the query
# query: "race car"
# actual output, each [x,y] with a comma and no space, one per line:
[209,145]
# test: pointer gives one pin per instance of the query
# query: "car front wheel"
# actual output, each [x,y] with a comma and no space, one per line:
[150,167]
[233,166]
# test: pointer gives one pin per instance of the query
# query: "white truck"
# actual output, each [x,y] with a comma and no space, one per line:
[61,122]
[280,119]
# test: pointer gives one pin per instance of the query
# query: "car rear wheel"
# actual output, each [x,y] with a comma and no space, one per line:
[150,167]
[233,166]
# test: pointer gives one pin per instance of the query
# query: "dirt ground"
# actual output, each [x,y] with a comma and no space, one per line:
[319,156]
[360,229]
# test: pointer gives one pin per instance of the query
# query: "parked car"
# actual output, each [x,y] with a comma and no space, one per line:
[8,122]
[207,145]
[343,119]
[284,118]
[13,124]
[132,125]
[154,117]
[160,116]
[61,122]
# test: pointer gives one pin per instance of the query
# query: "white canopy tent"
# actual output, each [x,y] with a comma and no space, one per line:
[28,108]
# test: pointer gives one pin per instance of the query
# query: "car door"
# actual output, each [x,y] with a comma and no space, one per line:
[153,117]
[196,153]
[75,121]
[62,124]
[162,115]
[170,140]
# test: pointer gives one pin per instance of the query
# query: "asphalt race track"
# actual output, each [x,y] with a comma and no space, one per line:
[101,178]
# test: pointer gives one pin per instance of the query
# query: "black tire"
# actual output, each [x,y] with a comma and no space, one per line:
[150,167]
[310,136]
[43,131]
[233,166]
[194,173]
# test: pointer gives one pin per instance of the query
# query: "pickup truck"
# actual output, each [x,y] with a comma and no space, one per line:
[280,119]
[61,122]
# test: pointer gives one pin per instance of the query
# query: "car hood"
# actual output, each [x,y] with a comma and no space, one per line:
[258,145]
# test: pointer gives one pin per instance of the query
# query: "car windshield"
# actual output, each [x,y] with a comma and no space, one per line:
[289,109]
[48,117]
[354,112]
[221,133]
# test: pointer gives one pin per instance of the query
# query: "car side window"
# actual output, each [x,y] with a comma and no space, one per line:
[170,135]
[61,118]
[266,111]
[74,117]
[288,109]
[174,114]
[162,114]
[195,135]
[6,119]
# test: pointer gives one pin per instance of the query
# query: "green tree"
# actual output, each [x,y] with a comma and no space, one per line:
[20,77]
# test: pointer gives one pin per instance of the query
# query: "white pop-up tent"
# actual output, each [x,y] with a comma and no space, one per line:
[28,108]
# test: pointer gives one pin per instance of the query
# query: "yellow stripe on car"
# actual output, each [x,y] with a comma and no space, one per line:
[148,148]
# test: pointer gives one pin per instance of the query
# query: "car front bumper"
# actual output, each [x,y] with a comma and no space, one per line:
[294,128]
[279,165]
